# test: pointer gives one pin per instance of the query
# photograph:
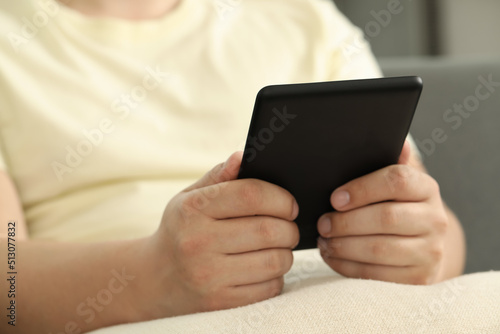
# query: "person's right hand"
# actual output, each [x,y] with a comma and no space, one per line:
[224,242]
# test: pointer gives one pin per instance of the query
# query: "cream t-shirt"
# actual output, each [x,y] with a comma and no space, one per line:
[103,120]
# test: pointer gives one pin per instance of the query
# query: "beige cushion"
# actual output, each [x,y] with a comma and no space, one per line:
[317,300]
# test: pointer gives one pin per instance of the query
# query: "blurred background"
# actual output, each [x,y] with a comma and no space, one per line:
[454,46]
[428,27]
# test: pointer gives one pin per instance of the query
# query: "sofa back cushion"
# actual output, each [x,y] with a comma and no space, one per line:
[457,129]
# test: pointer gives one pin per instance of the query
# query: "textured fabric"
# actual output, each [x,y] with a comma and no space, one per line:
[103,120]
[317,300]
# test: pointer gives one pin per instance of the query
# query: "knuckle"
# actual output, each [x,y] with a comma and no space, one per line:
[211,191]
[193,244]
[400,247]
[276,287]
[267,231]
[365,272]
[250,193]
[378,249]
[436,253]
[275,262]
[441,224]
[423,275]
[192,203]
[389,216]
[420,279]
[186,207]
[398,177]
[272,262]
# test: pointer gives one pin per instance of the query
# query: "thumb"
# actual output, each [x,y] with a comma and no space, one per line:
[223,172]
[404,157]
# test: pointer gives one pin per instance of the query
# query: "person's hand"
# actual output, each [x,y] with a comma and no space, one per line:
[224,242]
[389,225]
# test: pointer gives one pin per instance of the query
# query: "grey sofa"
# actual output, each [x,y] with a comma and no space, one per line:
[457,127]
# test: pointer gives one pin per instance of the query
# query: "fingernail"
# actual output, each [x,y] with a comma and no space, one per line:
[340,199]
[295,210]
[324,225]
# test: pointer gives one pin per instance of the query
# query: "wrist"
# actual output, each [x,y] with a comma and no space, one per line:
[148,298]
[129,279]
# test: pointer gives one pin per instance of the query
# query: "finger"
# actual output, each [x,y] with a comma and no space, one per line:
[241,198]
[410,156]
[382,250]
[396,274]
[258,266]
[239,235]
[409,219]
[405,155]
[223,172]
[393,183]
[252,293]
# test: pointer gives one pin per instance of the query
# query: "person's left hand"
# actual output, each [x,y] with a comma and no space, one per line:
[390,225]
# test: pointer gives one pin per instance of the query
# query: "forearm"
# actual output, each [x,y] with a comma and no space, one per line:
[65,287]
[455,249]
